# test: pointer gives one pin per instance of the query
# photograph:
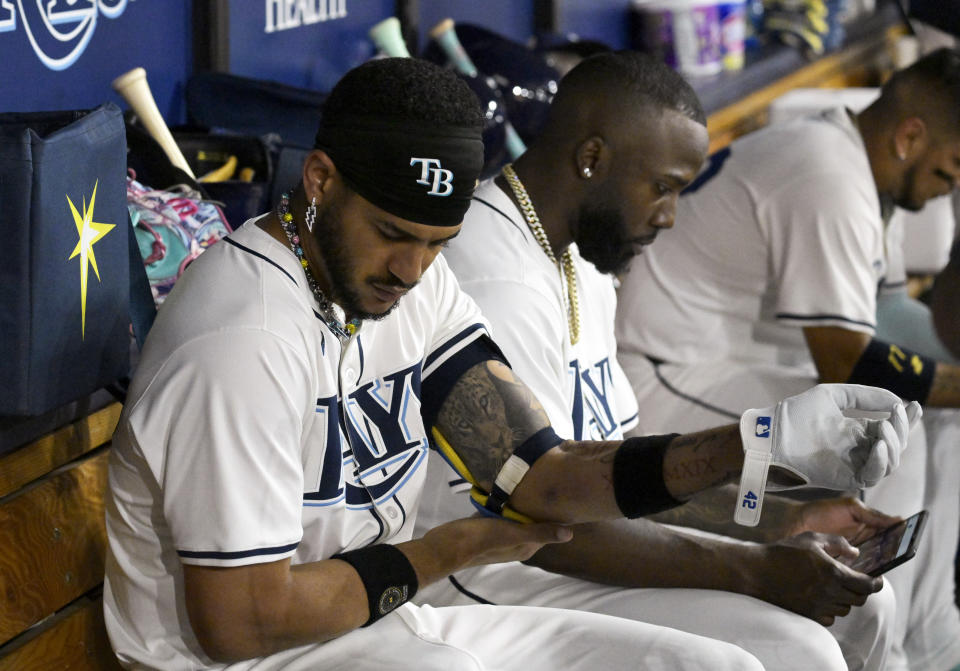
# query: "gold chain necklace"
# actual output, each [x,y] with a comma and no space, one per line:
[566,263]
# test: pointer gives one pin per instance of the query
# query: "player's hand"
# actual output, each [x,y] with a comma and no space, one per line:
[815,442]
[801,574]
[846,516]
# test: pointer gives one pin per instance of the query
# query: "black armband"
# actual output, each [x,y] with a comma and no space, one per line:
[387,575]
[638,484]
[436,387]
[905,373]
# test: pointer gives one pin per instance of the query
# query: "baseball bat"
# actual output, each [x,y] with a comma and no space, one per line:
[133,87]
[389,38]
[445,34]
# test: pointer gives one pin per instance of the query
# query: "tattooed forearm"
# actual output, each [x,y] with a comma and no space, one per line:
[488,413]
[592,450]
[697,461]
[697,467]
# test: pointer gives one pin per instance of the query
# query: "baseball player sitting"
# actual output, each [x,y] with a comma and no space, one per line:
[624,137]
[266,472]
[768,284]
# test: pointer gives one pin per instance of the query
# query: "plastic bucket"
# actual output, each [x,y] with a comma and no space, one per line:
[683,33]
[733,14]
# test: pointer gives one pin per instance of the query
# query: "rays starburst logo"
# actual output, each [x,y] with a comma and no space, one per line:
[90,233]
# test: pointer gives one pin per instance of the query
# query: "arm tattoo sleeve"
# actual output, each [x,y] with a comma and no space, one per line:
[488,413]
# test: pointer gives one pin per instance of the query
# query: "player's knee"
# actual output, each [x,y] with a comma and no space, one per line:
[878,612]
[809,646]
[867,633]
[698,652]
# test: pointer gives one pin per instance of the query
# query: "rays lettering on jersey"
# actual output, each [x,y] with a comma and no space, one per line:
[383,444]
[335,459]
[593,388]
[386,431]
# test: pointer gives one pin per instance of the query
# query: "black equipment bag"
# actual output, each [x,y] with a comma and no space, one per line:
[64,261]
[284,117]
[942,14]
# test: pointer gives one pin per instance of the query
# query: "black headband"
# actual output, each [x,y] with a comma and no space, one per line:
[418,173]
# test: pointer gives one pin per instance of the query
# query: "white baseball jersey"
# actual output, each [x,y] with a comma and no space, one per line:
[895,278]
[520,291]
[752,259]
[251,435]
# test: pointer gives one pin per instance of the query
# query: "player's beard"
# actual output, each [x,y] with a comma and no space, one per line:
[341,269]
[906,199]
[603,239]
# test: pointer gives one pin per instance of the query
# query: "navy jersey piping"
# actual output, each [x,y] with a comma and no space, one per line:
[692,399]
[198,554]
[262,256]
[452,342]
[376,517]
[789,315]
[503,214]
[892,285]
[463,590]
[360,352]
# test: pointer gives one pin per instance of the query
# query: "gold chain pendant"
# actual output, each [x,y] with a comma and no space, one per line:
[569,273]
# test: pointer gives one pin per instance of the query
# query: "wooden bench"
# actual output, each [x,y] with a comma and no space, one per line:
[52,549]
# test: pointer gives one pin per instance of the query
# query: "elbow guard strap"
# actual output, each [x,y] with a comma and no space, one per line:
[905,373]
[494,503]
[517,466]
[638,476]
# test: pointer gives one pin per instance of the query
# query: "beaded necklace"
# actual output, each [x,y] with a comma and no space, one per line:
[327,313]
[569,273]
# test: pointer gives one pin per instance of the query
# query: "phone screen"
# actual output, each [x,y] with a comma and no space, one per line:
[890,547]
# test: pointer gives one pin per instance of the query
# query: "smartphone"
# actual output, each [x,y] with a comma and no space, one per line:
[889,548]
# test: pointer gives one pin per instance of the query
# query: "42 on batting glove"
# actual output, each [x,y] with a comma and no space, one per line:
[835,436]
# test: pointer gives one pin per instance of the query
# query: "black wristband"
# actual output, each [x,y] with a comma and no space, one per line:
[387,575]
[638,476]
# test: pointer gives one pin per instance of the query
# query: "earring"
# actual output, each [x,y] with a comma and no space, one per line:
[902,156]
[588,173]
[311,214]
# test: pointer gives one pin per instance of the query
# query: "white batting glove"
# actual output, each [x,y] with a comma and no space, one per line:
[836,436]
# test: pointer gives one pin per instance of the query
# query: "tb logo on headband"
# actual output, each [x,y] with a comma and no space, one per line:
[432,175]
